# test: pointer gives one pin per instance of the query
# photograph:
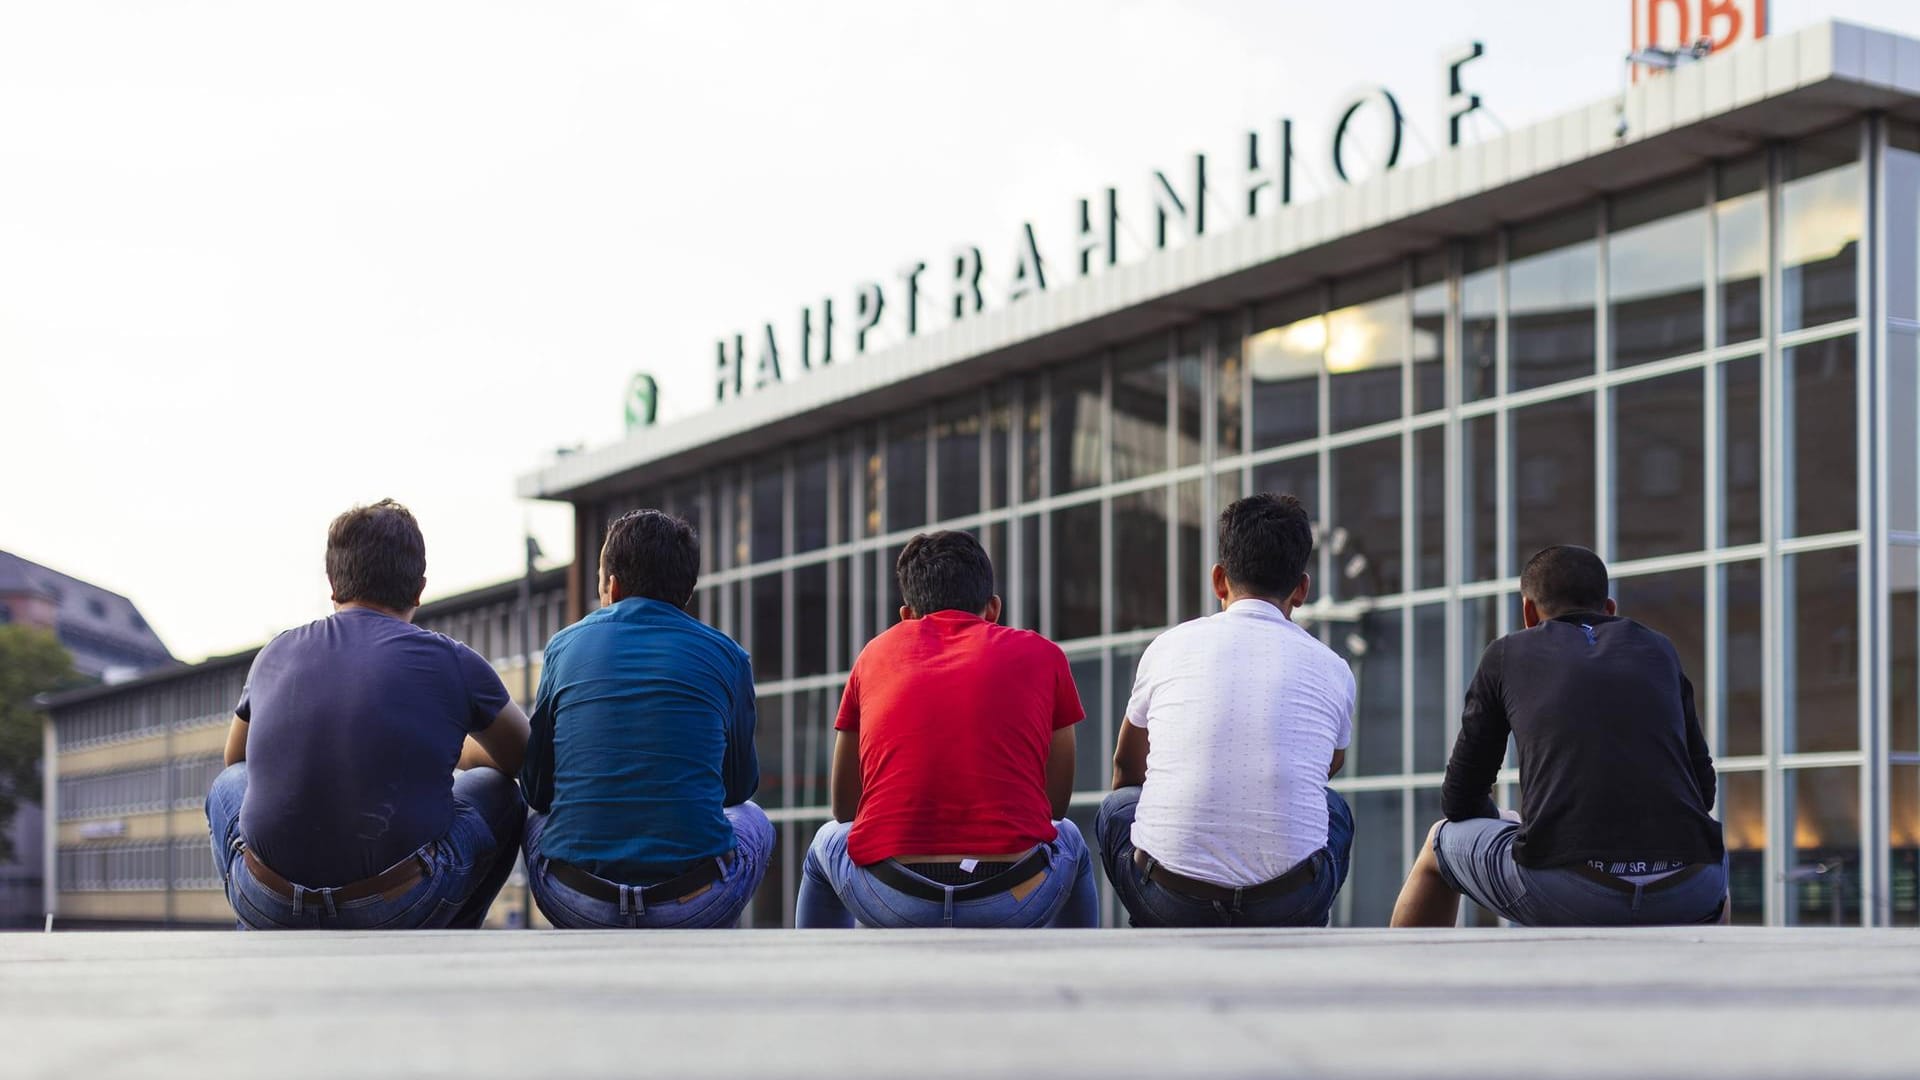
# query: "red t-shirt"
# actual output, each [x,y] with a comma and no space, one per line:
[955,716]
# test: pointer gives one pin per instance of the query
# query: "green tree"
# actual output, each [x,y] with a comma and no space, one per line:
[32,661]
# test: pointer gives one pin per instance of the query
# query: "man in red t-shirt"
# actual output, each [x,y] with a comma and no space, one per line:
[952,767]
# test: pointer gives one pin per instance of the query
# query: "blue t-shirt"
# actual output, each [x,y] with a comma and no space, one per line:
[354,725]
[642,733]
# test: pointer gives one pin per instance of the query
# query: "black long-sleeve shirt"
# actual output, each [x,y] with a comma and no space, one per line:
[1613,765]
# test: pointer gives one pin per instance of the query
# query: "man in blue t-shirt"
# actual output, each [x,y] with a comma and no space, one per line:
[641,761]
[340,807]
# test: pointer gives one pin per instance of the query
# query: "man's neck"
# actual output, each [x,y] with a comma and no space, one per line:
[362,605]
[1285,604]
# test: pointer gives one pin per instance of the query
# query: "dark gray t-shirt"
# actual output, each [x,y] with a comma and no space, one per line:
[355,723]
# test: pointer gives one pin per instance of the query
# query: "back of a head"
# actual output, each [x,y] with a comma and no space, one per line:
[376,555]
[1563,579]
[1265,543]
[945,571]
[652,554]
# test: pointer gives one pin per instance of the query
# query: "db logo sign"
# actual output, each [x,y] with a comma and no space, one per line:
[1706,25]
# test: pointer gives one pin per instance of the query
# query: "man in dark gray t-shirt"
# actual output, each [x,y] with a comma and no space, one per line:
[340,807]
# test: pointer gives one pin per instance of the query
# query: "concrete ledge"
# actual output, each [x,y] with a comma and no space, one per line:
[1362,1003]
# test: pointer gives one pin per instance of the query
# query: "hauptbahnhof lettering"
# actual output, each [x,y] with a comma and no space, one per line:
[1693,346]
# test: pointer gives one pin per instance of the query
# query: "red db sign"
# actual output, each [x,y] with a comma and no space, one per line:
[1679,24]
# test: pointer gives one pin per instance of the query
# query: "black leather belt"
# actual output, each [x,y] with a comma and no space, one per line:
[705,873]
[1302,874]
[899,879]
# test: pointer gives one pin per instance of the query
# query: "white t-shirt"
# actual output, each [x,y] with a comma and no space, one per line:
[1243,711]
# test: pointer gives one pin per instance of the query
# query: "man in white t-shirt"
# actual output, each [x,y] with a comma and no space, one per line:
[1221,814]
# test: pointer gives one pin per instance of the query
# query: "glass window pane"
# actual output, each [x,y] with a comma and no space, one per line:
[888,593]
[1299,477]
[1740,238]
[1228,488]
[769,730]
[1429,507]
[1227,418]
[1824,873]
[1481,478]
[999,444]
[1365,541]
[1379,865]
[769,904]
[1657,271]
[1430,703]
[1140,560]
[1743,819]
[1740,459]
[1192,580]
[1027,606]
[1820,437]
[813,715]
[852,632]
[810,504]
[767,523]
[956,435]
[873,492]
[810,620]
[906,481]
[1820,221]
[1479,321]
[1551,271]
[1903,833]
[1033,439]
[768,631]
[1743,660]
[1078,432]
[1140,374]
[1365,349]
[1903,650]
[1284,357]
[1823,636]
[1093,743]
[1674,604]
[1371,646]
[1552,476]
[1658,474]
[1903,431]
[1903,221]
[993,537]
[1429,332]
[1189,384]
[1076,572]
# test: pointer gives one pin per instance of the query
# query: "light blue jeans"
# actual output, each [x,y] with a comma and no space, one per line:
[834,892]
[718,906]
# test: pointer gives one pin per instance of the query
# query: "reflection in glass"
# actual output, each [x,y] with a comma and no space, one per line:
[999,444]
[1378,865]
[1658,471]
[1480,476]
[854,626]
[1903,431]
[1192,582]
[1365,347]
[1365,541]
[888,591]
[1079,433]
[906,480]
[1431,705]
[1371,647]
[1553,490]
[1903,833]
[1743,820]
[1479,321]
[1140,560]
[1820,221]
[1740,238]
[956,434]
[1901,173]
[769,631]
[1903,650]
[768,524]
[1479,626]
[810,502]
[1093,741]
[1429,507]
[1656,272]
[1740,467]
[1820,437]
[810,620]
[1299,477]
[1227,430]
[768,908]
[1140,376]
[813,715]
[769,733]
[1284,356]
[1824,871]
[1551,270]
[1674,604]
[1189,387]
[1743,660]
[1076,572]
[1822,626]
[1429,332]
[1033,438]
[1027,610]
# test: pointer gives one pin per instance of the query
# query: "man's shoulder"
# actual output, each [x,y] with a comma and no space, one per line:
[1024,642]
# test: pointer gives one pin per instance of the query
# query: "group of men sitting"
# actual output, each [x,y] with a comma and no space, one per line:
[379,776]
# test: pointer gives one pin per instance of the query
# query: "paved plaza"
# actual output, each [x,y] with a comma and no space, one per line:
[1362,1003]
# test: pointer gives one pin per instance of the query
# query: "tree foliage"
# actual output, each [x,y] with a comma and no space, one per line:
[32,661]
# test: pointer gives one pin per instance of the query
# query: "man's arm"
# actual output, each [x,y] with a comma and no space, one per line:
[236,742]
[1702,760]
[1130,756]
[1060,771]
[1481,746]
[500,745]
[844,780]
[740,767]
[1339,762]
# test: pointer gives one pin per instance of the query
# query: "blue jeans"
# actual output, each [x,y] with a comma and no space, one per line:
[467,866]
[1476,859]
[834,892]
[1150,904]
[719,906]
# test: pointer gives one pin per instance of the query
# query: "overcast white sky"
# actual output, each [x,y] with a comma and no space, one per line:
[259,262]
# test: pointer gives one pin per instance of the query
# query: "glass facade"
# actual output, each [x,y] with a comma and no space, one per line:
[1713,380]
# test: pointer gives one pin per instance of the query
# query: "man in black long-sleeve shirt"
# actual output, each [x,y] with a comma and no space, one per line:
[1616,824]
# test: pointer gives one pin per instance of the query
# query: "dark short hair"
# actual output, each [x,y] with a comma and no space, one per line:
[654,554]
[376,555]
[1565,578]
[1265,542]
[945,571]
